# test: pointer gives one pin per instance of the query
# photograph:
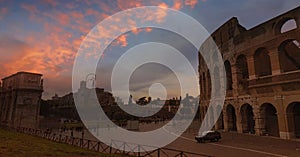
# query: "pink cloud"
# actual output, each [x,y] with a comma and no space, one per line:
[191,3]
[53,51]
[177,4]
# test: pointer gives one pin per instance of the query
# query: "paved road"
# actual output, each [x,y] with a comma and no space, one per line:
[234,144]
[231,145]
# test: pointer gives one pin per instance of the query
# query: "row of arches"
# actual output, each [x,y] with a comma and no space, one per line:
[289,60]
[288,57]
[267,117]
[288,54]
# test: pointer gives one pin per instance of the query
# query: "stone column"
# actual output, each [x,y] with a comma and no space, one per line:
[225,119]
[297,19]
[2,107]
[234,80]
[258,120]
[274,57]
[251,67]
[201,86]
[290,134]
[207,85]
[284,132]
[10,109]
[239,126]
[202,113]
[283,119]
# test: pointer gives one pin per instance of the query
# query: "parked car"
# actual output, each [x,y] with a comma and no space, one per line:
[212,136]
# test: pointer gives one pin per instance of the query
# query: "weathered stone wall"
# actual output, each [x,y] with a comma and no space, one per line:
[20,100]
[263,77]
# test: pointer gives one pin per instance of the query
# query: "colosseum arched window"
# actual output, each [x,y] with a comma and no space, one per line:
[242,72]
[288,26]
[228,75]
[231,118]
[289,55]
[269,120]
[285,25]
[262,62]
[247,115]
[293,118]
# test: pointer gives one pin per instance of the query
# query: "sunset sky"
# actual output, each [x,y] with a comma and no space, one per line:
[43,36]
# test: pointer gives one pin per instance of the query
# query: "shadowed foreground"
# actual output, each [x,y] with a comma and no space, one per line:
[21,145]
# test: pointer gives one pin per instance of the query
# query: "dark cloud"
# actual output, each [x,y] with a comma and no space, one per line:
[250,13]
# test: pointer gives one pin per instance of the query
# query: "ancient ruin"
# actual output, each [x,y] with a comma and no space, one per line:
[263,77]
[20,97]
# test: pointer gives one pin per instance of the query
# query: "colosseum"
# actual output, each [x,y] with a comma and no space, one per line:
[263,77]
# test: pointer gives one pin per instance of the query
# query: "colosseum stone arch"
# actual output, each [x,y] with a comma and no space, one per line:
[263,77]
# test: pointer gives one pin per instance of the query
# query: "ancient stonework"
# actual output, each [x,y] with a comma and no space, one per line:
[20,97]
[263,77]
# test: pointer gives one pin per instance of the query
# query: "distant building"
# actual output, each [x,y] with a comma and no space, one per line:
[20,97]
[64,107]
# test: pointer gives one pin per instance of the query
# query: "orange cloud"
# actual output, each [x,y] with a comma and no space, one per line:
[59,41]
[53,50]
[122,40]
[123,5]
[177,5]
[10,51]
[191,3]
[163,5]
[148,29]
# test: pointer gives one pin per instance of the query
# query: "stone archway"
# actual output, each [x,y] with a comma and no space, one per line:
[289,55]
[285,25]
[269,120]
[262,62]
[231,118]
[248,122]
[293,118]
[288,25]
[242,73]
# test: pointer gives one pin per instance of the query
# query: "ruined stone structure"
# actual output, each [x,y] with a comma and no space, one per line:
[64,107]
[20,96]
[263,77]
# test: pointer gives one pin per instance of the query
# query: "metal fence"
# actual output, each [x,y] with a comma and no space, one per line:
[135,149]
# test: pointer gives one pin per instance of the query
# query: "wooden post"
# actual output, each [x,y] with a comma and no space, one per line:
[98,146]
